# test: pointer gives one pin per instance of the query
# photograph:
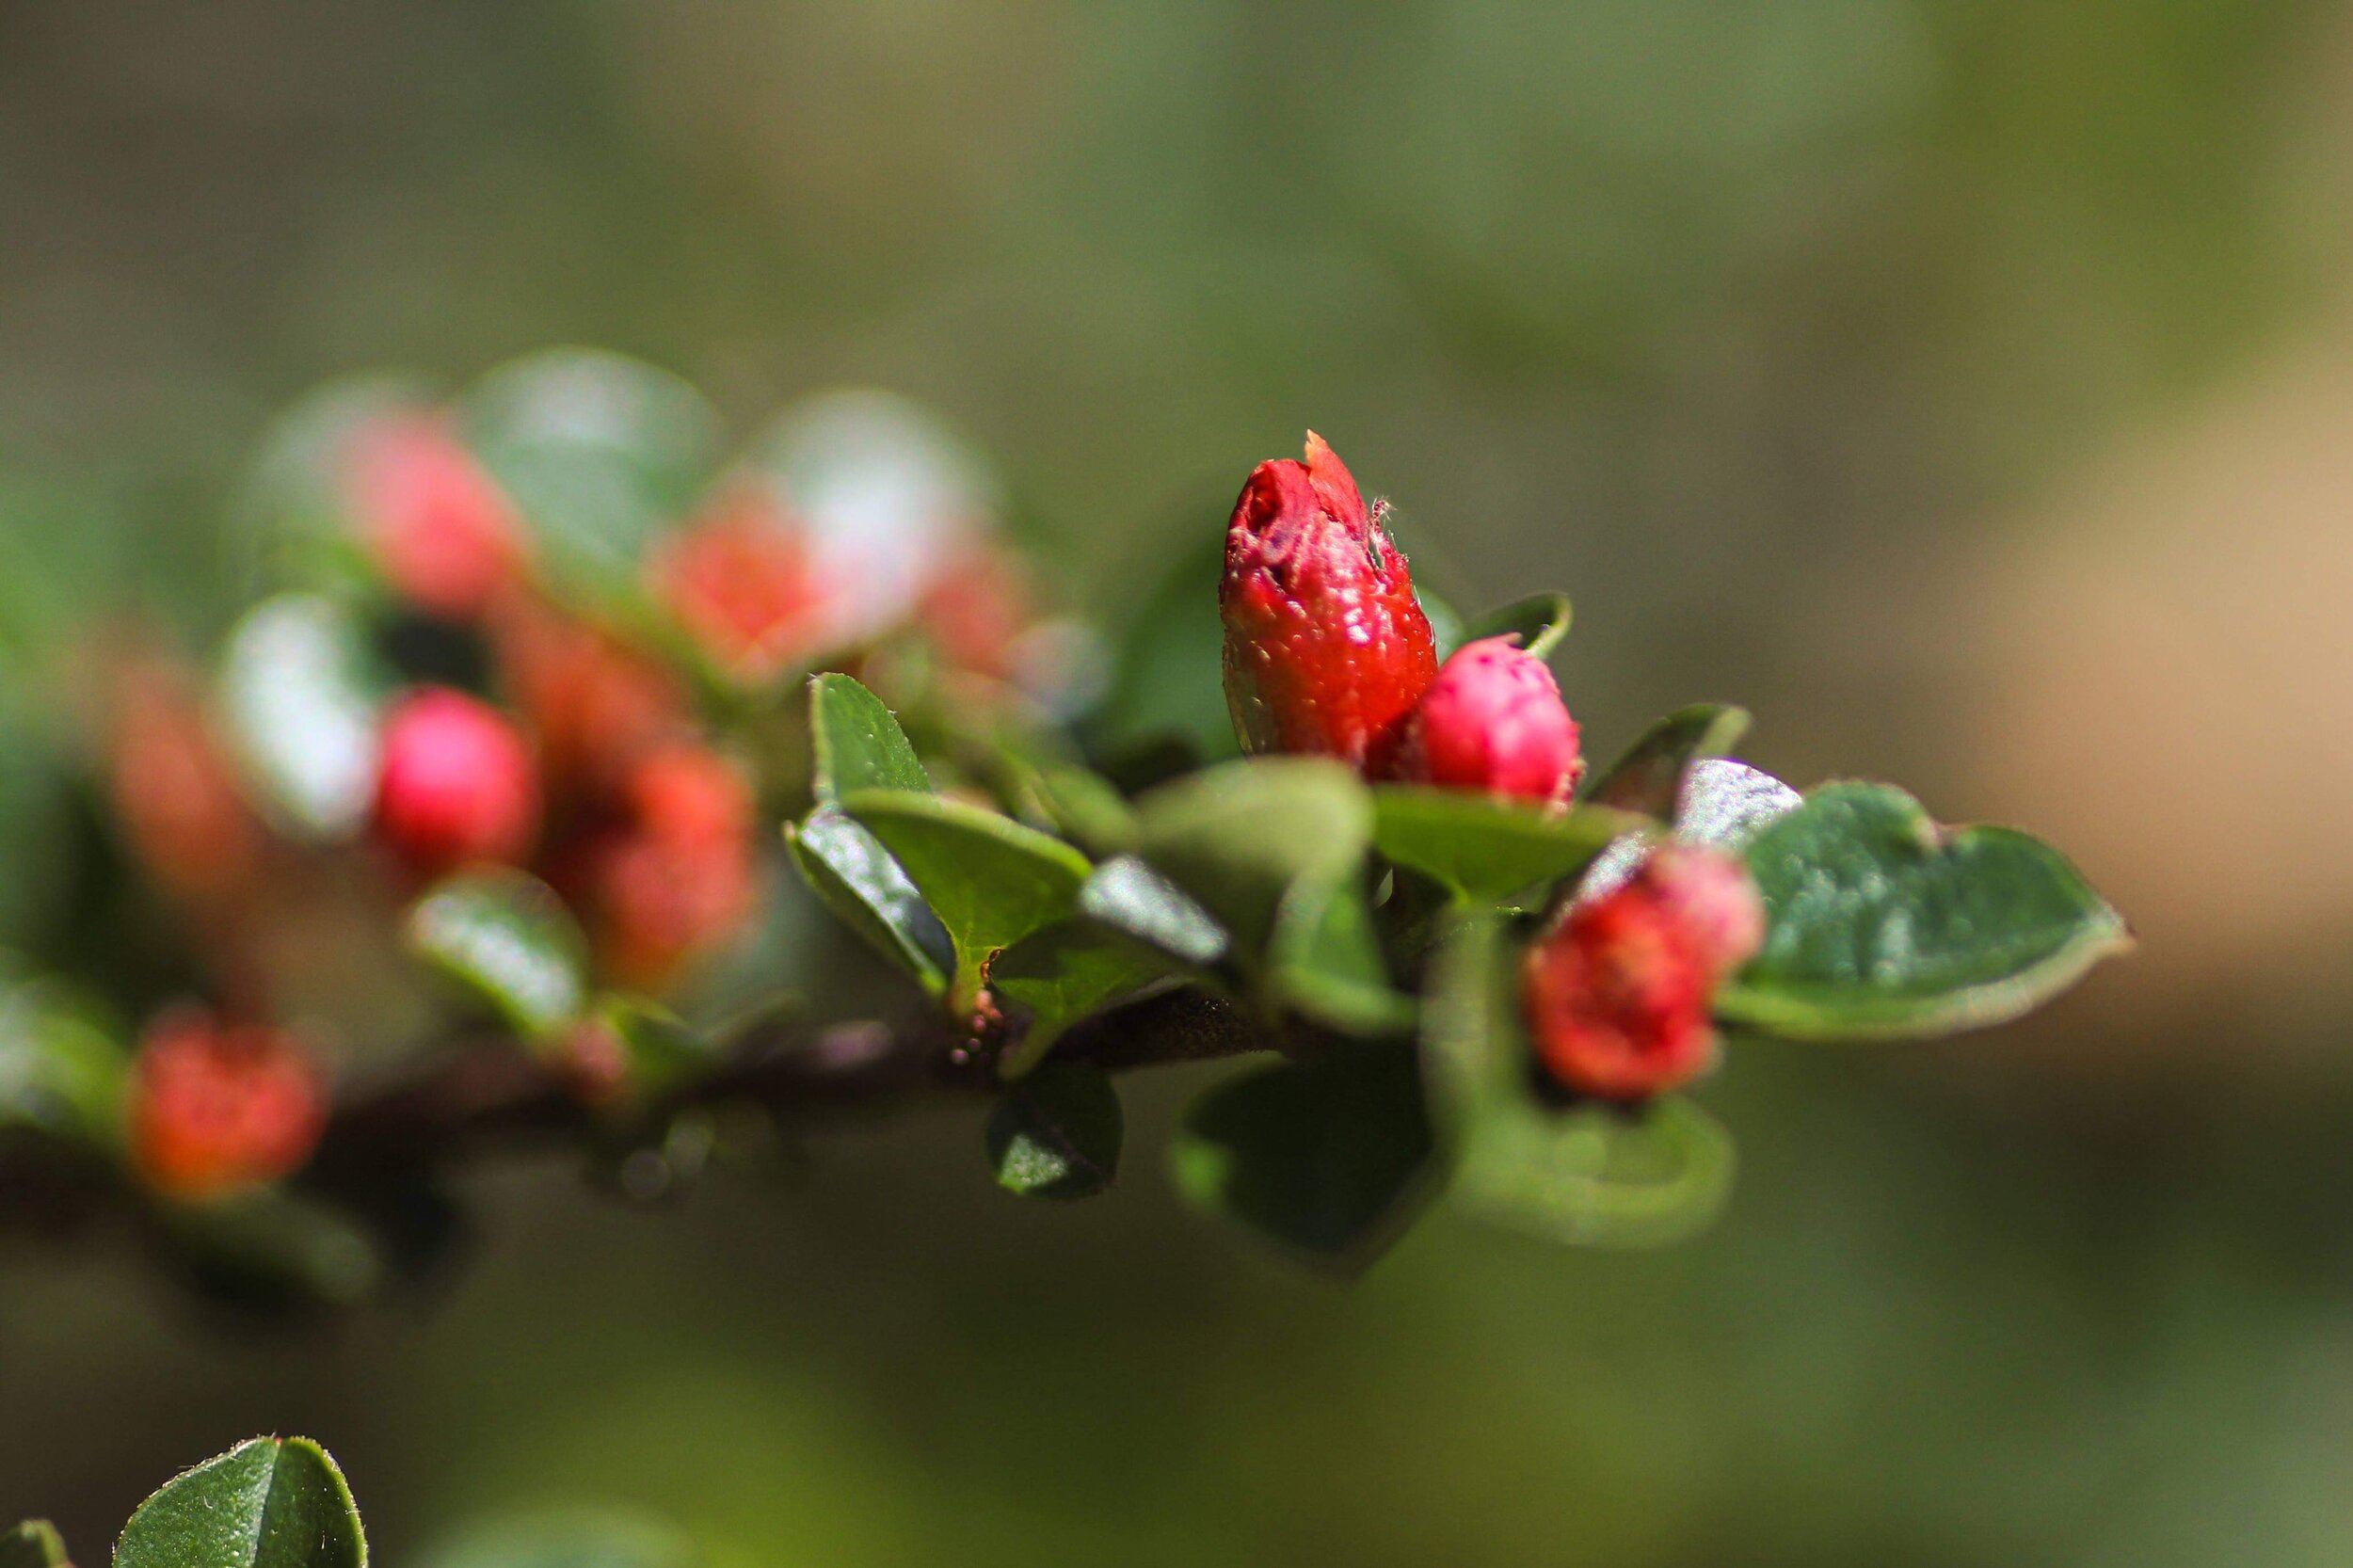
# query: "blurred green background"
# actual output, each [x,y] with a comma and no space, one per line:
[1963,384]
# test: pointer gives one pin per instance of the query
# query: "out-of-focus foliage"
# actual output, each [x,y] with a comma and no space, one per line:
[1752,330]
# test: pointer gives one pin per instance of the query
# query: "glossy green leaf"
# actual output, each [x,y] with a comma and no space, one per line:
[1719,803]
[1540,621]
[507,939]
[1482,848]
[60,1071]
[1060,975]
[567,1540]
[1057,1133]
[1649,776]
[1325,962]
[300,695]
[854,876]
[1238,835]
[270,1503]
[858,745]
[1328,1157]
[1580,1173]
[601,452]
[990,880]
[33,1543]
[1884,925]
[1131,898]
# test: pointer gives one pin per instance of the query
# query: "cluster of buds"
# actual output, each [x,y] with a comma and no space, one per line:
[1328,651]
[217,1108]
[1619,996]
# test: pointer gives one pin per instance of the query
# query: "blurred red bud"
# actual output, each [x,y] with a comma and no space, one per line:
[1617,997]
[443,534]
[742,584]
[1711,894]
[1327,647]
[217,1108]
[1493,720]
[678,873]
[975,611]
[593,703]
[457,785]
[174,790]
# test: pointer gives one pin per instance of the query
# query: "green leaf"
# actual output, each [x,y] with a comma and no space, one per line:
[1885,926]
[507,939]
[270,1503]
[1138,902]
[1060,975]
[1725,804]
[1584,1172]
[858,744]
[990,880]
[1481,848]
[1448,630]
[37,841]
[1649,776]
[568,1540]
[601,452]
[854,876]
[301,696]
[1086,808]
[1540,621]
[60,1072]
[33,1543]
[1166,669]
[1325,963]
[664,1051]
[1238,835]
[273,1252]
[1720,803]
[1328,1157]
[1057,1133]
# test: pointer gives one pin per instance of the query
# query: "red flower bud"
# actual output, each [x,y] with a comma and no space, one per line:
[1711,894]
[1616,998]
[214,1109]
[456,784]
[444,536]
[1327,647]
[975,611]
[742,584]
[593,703]
[678,873]
[1493,720]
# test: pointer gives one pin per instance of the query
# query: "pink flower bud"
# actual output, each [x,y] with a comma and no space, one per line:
[1616,998]
[214,1109]
[1493,720]
[456,784]
[1327,647]
[1710,893]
